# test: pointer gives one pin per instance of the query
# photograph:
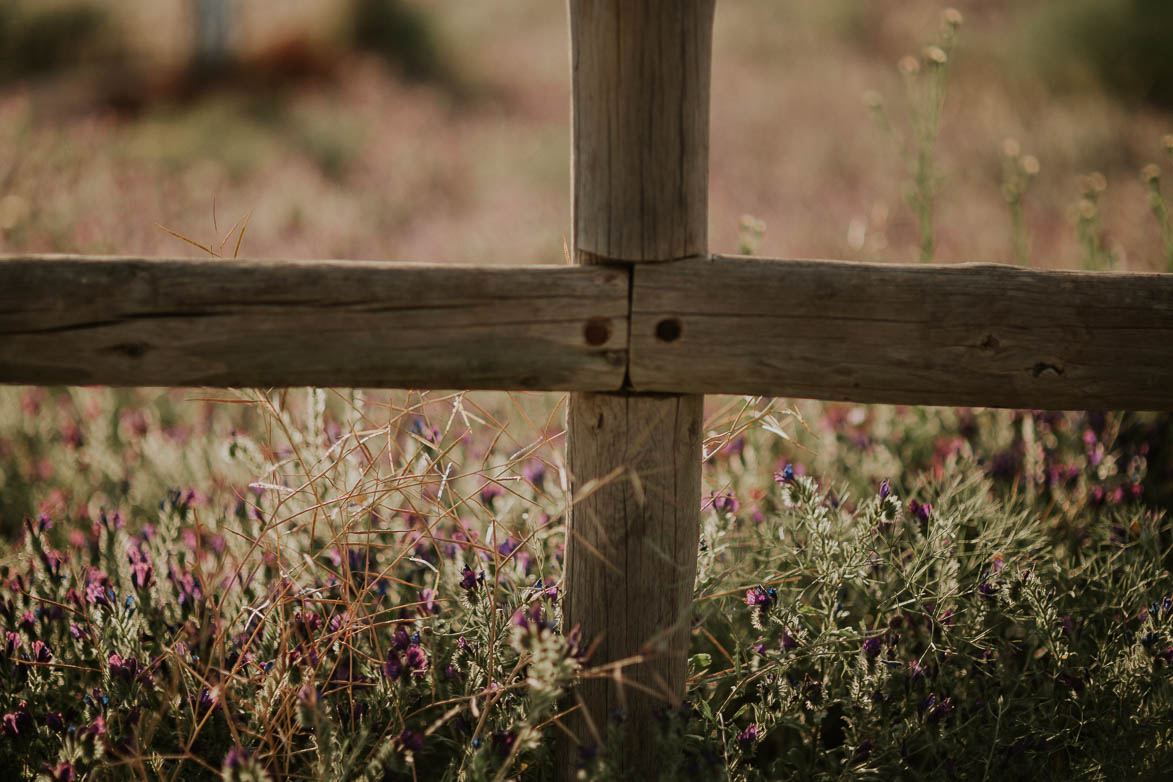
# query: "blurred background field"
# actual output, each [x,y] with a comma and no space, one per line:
[263,554]
[438,131]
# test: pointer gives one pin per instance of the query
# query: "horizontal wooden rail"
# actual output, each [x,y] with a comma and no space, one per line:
[123,321]
[970,334]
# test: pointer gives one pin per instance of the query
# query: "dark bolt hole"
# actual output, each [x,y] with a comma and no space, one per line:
[597,331]
[668,330]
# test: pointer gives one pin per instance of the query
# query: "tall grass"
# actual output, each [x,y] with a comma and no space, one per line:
[925,81]
[881,591]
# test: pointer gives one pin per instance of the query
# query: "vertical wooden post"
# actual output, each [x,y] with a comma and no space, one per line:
[640,141]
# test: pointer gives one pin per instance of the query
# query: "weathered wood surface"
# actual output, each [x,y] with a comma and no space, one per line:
[640,195]
[971,334]
[640,127]
[123,321]
[631,553]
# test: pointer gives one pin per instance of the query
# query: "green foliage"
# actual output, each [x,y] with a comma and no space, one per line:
[36,41]
[1085,216]
[1118,45]
[881,592]
[925,86]
[750,232]
[1151,174]
[1018,171]
[399,33]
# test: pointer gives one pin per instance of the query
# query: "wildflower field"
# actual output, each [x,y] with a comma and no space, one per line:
[360,586]
[350,584]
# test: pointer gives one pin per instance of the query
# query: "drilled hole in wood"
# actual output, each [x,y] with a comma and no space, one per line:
[597,331]
[668,330]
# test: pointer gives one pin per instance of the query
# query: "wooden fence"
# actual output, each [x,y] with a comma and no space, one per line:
[643,325]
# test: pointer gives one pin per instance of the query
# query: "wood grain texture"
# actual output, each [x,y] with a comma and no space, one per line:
[640,127]
[631,554]
[639,164]
[972,334]
[125,321]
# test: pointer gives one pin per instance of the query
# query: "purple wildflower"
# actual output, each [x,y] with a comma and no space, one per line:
[236,758]
[987,591]
[12,641]
[427,599]
[417,661]
[392,666]
[469,579]
[12,722]
[787,642]
[725,502]
[112,521]
[96,594]
[489,493]
[410,741]
[935,710]
[338,621]
[62,772]
[535,473]
[125,668]
[503,741]
[885,489]
[507,547]
[95,728]
[747,737]
[309,621]
[527,617]
[142,573]
[785,475]
[52,559]
[760,597]
[207,701]
[1097,496]
[41,651]
[309,695]
[187,586]
[871,647]
[921,511]
[55,721]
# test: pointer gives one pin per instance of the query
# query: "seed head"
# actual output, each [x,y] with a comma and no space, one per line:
[935,55]
[1010,148]
[1151,173]
[1030,165]
[908,65]
[952,18]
